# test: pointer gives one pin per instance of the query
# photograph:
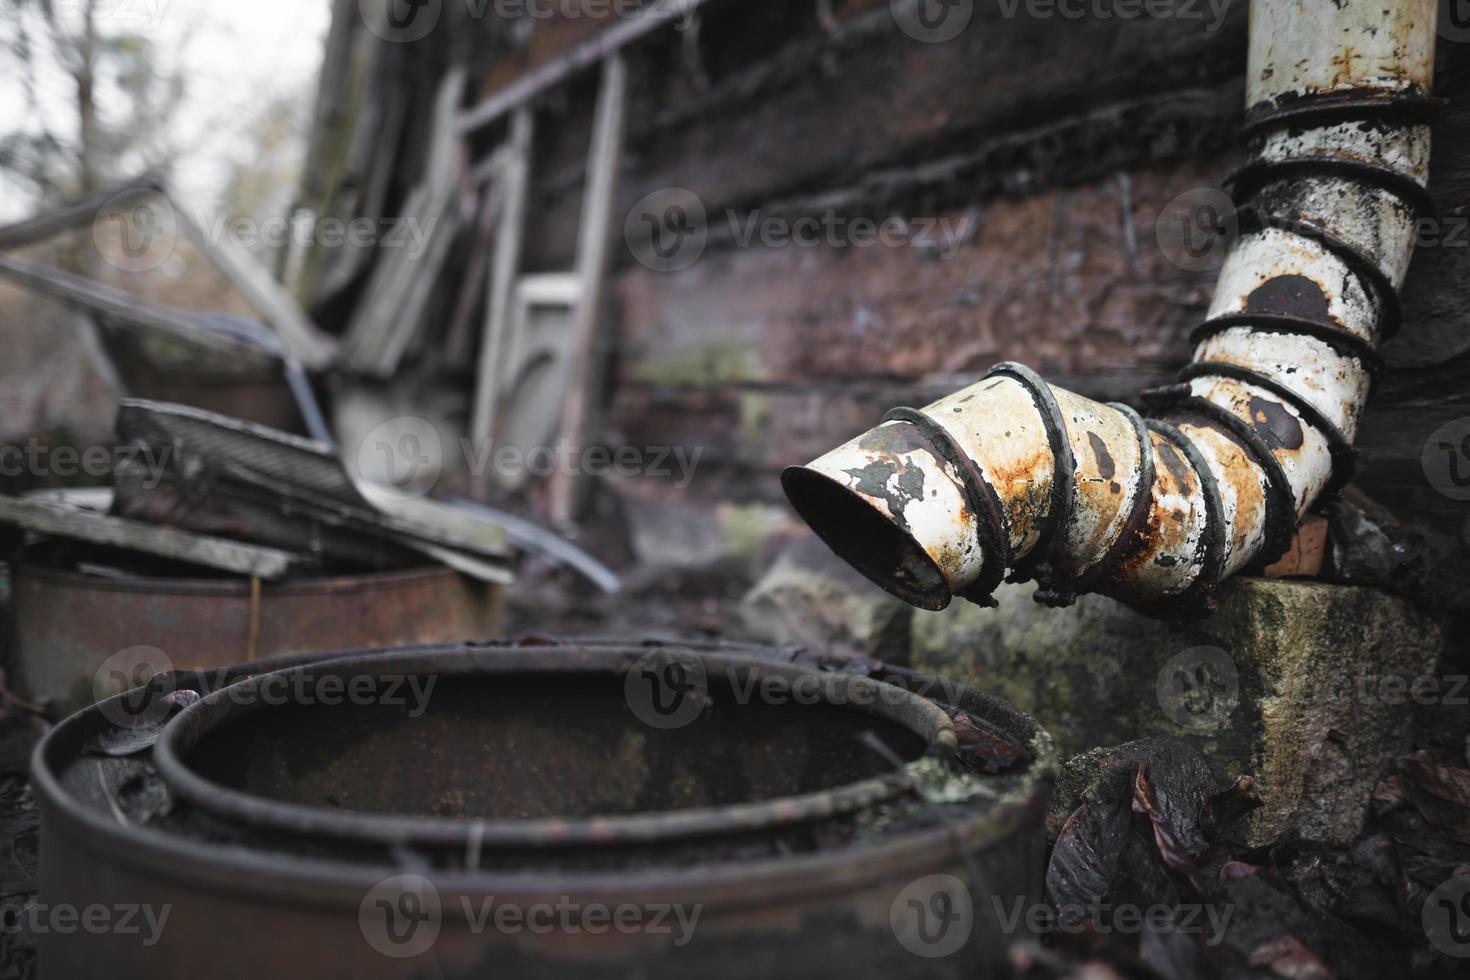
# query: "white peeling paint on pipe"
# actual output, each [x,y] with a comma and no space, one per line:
[1012,475]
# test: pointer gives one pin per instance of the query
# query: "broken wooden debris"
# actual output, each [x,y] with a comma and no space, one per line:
[123,309]
[592,52]
[549,547]
[393,306]
[83,524]
[594,262]
[271,301]
[232,476]
[506,263]
[80,211]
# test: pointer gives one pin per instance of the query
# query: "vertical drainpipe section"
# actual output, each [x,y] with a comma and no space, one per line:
[1015,477]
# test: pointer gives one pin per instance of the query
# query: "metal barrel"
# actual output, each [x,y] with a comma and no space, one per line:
[566,810]
[66,625]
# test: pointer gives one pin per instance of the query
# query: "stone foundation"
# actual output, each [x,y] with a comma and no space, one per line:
[1309,687]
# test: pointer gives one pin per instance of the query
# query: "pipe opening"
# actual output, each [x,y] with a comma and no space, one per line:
[866,539]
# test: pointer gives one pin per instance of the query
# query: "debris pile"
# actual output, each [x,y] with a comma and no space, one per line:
[1149,878]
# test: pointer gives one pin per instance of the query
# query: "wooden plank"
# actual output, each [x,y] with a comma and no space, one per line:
[126,310]
[459,336]
[594,260]
[83,525]
[79,212]
[505,265]
[390,311]
[527,87]
[89,338]
[277,307]
[304,478]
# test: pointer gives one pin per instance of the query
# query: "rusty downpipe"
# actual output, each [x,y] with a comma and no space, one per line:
[1015,476]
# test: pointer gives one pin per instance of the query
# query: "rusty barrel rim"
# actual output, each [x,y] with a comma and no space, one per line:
[232,586]
[236,702]
[334,883]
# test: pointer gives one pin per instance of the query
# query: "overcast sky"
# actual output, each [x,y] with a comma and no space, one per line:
[239,58]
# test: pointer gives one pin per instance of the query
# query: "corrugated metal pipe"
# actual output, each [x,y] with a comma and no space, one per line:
[1015,475]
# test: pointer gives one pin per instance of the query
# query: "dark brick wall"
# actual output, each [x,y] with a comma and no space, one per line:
[1052,148]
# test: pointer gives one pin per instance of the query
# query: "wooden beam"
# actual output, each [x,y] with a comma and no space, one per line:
[315,349]
[505,265]
[78,212]
[126,310]
[84,525]
[594,254]
[391,310]
[585,55]
[459,337]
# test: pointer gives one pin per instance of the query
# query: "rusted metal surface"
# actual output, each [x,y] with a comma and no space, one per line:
[720,816]
[1263,421]
[67,624]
